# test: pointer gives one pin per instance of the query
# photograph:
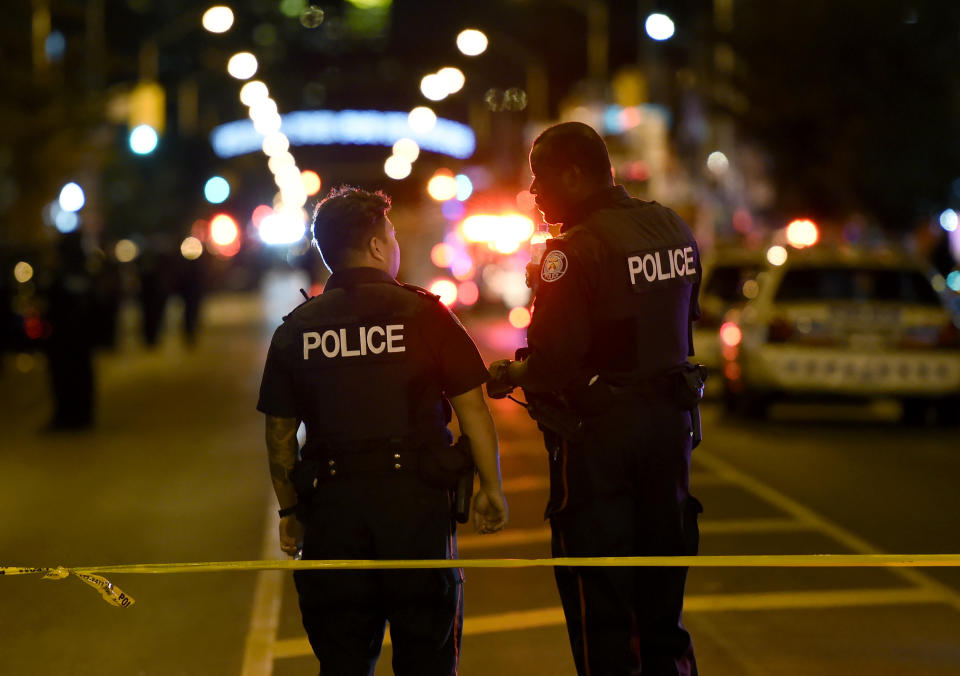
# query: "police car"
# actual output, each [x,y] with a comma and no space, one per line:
[729,280]
[828,323]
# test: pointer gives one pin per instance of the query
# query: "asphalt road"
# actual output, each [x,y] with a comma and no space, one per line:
[175,471]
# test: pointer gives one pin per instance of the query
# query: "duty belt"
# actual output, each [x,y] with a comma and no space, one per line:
[366,457]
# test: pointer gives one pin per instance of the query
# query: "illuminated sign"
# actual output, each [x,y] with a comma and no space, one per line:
[346,127]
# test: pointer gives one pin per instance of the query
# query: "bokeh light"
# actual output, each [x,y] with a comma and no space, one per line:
[253,92]
[311,181]
[468,292]
[659,27]
[472,42]
[730,334]
[397,168]
[260,212]
[191,248]
[441,255]
[526,200]
[519,317]
[421,119]
[71,197]
[802,233]
[718,163]
[464,187]
[66,221]
[223,230]
[953,281]
[216,190]
[275,143]
[242,65]
[433,87]
[446,289]
[126,251]
[949,220]
[143,139]
[777,255]
[407,149]
[23,272]
[452,79]
[442,186]
[218,19]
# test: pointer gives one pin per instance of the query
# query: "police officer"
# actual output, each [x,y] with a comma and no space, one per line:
[608,342]
[368,366]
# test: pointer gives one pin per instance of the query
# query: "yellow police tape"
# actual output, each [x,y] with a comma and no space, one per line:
[114,596]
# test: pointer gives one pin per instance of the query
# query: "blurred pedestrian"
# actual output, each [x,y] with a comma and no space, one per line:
[607,379]
[189,284]
[71,312]
[154,268]
[369,366]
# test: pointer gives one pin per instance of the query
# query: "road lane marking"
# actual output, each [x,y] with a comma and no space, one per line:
[541,534]
[553,616]
[819,523]
[260,650]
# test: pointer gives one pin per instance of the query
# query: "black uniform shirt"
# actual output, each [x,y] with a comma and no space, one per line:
[594,313]
[368,359]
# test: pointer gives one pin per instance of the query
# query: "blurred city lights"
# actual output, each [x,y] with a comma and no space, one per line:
[433,87]
[191,248]
[472,42]
[311,17]
[24,362]
[802,233]
[71,197]
[659,27]
[504,233]
[218,19]
[66,221]
[223,230]
[441,254]
[938,283]
[453,210]
[446,289]
[54,46]
[397,167]
[462,267]
[292,8]
[284,226]
[253,92]
[280,160]
[953,281]
[949,220]
[751,289]
[452,79]
[717,162]
[311,181]
[777,255]
[519,317]
[442,186]
[242,65]
[216,190]
[275,143]
[407,149]
[143,139]
[126,250]
[421,120]
[464,187]
[468,292]
[526,201]
[730,334]
[259,213]
[23,272]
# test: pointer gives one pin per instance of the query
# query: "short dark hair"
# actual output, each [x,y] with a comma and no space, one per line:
[577,144]
[345,220]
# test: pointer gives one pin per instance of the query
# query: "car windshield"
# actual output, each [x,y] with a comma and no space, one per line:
[726,281]
[857,284]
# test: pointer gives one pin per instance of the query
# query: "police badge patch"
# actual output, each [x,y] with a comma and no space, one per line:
[554,265]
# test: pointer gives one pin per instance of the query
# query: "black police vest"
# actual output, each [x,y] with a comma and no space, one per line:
[363,371]
[649,274]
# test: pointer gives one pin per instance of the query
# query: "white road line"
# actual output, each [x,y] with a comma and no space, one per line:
[553,616]
[260,650]
[817,522]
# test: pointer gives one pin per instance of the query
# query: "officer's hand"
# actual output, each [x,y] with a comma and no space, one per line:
[499,386]
[489,511]
[291,534]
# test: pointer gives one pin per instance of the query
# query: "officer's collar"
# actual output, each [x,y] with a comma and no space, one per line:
[606,197]
[346,277]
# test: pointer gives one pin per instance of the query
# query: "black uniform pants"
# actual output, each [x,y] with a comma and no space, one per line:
[344,612]
[625,492]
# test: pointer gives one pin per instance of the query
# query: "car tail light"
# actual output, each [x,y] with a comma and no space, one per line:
[730,334]
[779,331]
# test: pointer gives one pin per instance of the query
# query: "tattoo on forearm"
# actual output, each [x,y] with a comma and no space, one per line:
[279,472]
[281,438]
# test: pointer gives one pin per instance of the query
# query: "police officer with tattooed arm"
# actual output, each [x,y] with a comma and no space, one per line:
[369,367]
[607,379]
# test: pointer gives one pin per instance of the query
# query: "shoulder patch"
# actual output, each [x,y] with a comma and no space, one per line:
[554,266]
[420,291]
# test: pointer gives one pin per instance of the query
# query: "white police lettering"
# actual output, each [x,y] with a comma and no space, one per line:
[662,264]
[349,343]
